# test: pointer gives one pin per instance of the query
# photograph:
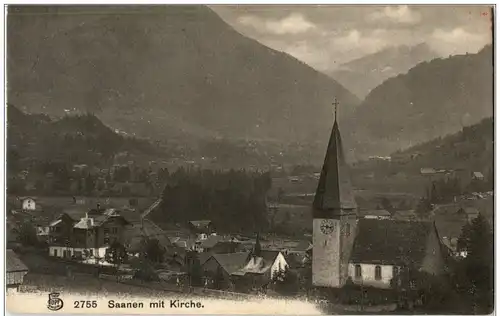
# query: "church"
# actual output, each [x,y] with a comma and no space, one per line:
[369,252]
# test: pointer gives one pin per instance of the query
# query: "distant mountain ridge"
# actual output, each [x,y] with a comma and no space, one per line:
[433,99]
[364,74]
[472,148]
[72,139]
[164,72]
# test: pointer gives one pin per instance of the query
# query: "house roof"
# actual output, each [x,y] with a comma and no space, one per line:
[334,192]
[478,174]
[201,223]
[404,215]
[150,230]
[22,198]
[259,264]
[375,212]
[13,263]
[232,262]
[450,228]
[390,242]
[469,210]
[427,170]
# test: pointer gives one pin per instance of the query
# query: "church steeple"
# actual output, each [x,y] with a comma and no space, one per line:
[334,196]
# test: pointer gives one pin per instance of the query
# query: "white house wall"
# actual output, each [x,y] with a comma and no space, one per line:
[279,262]
[368,275]
[99,252]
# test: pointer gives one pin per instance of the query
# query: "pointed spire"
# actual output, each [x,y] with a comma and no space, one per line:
[334,196]
[335,104]
[257,247]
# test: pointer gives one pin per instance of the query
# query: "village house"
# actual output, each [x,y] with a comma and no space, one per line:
[27,203]
[383,249]
[15,271]
[82,233]
[242,271]
[374,214]
[201,228]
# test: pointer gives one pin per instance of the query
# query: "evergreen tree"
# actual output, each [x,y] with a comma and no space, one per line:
[476,271]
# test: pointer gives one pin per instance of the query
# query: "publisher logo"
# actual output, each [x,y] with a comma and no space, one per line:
[55,303]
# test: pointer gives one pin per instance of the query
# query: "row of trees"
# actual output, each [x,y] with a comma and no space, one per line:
[233,200]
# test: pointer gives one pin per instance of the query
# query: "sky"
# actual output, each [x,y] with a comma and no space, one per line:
[325,36]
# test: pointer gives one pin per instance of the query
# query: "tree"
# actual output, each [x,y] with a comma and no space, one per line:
[27,235]
[476,271]
[195,272]
[153,251]
[424,208]
[386,204]
[116,254]
[285,282]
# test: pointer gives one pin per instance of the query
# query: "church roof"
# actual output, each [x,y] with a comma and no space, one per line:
[334,192]
[391,242]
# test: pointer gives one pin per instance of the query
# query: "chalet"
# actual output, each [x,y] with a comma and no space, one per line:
[384,249]
[201,227]
[15,271]
[219,268]
[27,203]
[261,268]
[81,233]
[477,175]
[374,214]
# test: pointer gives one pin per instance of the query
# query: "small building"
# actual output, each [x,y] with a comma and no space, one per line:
[201,227]
[374,214]
[468,213]
[15,271]
[28,203]
[85,235]
[477,175]
[218,269]
[383,250]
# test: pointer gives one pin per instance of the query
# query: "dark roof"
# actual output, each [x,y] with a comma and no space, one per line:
[334,192]
[13,263]
[390,242]
[231,262]
[151,230]
[450,227]
[201,223]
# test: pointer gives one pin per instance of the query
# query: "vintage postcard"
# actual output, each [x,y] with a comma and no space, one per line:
[249,159]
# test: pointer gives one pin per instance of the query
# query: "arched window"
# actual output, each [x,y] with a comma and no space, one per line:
[357,271]
[378,273]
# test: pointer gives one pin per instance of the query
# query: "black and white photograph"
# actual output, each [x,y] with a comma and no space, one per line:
[249,159]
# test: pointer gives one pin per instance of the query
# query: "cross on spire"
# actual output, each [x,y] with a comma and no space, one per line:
[335,103]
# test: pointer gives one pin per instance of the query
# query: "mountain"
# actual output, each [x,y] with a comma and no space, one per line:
[472,148]
[72,139]
[164,72]
[433,99]
[361,75]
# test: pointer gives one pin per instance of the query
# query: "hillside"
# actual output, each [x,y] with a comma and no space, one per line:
[471,148]
[164,72]
[432,100]
[72,139]
[362,75]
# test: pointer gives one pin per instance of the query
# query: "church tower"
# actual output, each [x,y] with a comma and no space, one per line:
[334,217]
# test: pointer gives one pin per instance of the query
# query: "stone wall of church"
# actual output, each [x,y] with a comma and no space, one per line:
[348,234]
[326,255]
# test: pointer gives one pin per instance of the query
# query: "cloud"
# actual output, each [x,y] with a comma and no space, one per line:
[458,41]
[295,23]
[399,14]
[366,43]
